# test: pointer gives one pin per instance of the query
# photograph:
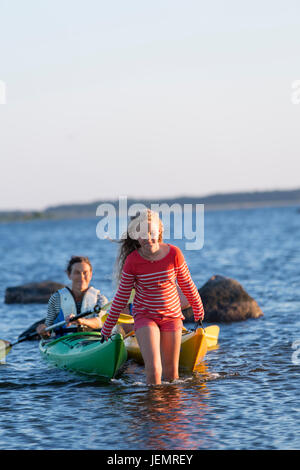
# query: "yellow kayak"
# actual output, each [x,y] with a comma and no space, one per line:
[194,345]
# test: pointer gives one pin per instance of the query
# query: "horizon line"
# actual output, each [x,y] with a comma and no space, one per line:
[147,198]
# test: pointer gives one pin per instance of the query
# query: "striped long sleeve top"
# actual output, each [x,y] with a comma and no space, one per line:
[155,288]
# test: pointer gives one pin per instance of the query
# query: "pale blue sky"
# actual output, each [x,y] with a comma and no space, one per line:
[146,99]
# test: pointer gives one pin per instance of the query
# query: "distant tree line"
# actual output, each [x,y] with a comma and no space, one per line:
[282,197]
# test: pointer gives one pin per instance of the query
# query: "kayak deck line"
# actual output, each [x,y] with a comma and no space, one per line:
[69,339]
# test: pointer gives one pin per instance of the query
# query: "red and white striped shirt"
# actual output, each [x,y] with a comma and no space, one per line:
[155,288]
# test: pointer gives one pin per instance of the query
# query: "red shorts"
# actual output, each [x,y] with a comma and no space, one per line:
[164,323]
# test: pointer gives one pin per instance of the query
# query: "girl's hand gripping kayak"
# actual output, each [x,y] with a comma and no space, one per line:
[199,324]
[104,338]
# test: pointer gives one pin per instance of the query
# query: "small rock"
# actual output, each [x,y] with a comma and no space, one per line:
[35,292]
[225,301]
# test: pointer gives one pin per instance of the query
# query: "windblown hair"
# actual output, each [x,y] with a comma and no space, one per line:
[77,259]
[128,243]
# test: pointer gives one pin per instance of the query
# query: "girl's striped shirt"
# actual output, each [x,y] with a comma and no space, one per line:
[155,288]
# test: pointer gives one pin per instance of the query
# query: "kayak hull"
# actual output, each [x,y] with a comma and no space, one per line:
[192,351]
[84,353]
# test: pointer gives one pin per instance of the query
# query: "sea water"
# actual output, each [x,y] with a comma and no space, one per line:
[245,395]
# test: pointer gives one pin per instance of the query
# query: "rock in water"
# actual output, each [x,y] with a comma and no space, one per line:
[34,292]
[225,301]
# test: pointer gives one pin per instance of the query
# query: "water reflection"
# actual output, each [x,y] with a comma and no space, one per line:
[246,398]
[170,417]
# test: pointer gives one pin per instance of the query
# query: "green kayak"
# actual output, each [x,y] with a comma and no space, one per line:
[84,353]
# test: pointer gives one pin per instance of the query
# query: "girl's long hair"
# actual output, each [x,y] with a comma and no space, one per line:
[128,244]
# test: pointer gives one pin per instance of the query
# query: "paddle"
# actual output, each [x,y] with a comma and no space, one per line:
[5,346]
[123,318]
[32,329]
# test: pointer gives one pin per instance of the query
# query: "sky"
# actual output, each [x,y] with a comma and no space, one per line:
[146,99]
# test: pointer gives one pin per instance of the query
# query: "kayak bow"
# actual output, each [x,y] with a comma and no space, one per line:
[192,352]
[84,353]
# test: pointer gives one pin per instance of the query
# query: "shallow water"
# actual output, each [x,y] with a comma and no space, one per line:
[244,396]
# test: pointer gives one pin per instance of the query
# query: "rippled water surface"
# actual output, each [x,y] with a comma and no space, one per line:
[244,396]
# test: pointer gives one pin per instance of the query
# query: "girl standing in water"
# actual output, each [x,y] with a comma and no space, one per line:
[153,268]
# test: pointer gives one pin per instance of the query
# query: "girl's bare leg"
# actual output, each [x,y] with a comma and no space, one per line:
[149,342]
[170,342]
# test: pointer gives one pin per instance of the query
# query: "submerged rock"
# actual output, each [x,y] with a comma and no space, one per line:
[225,300]
[34,292]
